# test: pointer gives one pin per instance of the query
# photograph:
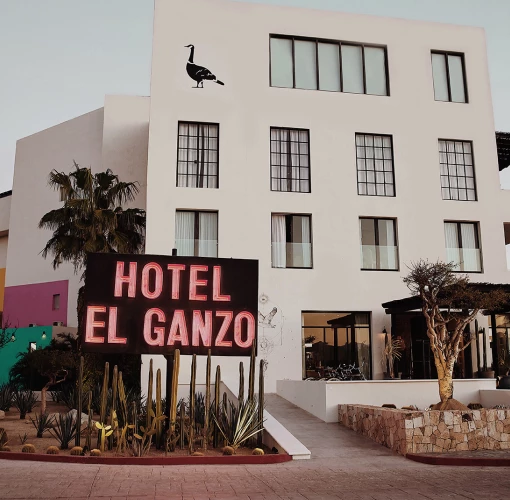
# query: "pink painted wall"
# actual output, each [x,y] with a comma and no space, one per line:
[25,304]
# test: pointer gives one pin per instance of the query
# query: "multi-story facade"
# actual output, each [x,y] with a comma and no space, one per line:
[335,148]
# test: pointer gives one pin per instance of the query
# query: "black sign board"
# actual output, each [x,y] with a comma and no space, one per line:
[152,304]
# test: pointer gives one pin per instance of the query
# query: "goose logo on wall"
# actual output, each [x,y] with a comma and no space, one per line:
[199,73]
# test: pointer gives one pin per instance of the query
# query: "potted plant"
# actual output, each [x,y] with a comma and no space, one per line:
[392,351]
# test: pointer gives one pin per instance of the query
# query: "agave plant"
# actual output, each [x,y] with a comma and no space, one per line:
[42,422]
[237,424]
[6,396]
[24,401]
[64,431]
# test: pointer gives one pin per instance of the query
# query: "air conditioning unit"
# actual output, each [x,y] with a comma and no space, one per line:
[58,323]
[31,325]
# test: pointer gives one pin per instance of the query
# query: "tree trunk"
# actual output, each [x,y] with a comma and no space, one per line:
[43,399]
[445,380]
[80,309]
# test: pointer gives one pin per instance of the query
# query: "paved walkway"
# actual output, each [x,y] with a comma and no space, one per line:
[344,466]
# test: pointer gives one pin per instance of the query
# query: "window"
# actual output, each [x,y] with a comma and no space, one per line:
[32,346]
[449,77]
[463,246]
[334,338]
[291,241]
[290,160]
[457,170]
[374,161]
[309,63]
[55,304]
[378,244]
[197,155]
[196,233]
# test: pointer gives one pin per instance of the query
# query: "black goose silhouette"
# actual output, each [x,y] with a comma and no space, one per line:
[199,73]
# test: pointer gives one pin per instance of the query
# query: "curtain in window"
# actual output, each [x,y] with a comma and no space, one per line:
[368,248]
[294,160]
[470,254]
[452,243]
[307,241]
[208,234]
[387,249]
[278,241]
[184,233]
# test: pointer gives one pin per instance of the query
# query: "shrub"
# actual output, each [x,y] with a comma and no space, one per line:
[23,438]
[77,450]
[52,450]
[3,437]
[24,401]
[42,422]
[228,450]
[5,448]
[6,396]
[28,448]
[64,431]
[95,453]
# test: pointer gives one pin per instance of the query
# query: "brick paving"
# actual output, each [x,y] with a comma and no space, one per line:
[344,466]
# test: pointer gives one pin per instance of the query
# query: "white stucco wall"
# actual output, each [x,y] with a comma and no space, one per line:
[112,137]
[3,251]
[246,107]
[5,210]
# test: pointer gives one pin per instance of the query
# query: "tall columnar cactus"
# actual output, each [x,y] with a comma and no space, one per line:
[159,423]
[207,399]
[240,396]
[115,382]
[149,397]
[79,392]
[104,399]
[183,424]
[192,388]
[88,440]
[134,417]
[173,400]
[261,400]
[251,388]
[217,380]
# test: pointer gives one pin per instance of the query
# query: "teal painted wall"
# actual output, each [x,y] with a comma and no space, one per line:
[8,355]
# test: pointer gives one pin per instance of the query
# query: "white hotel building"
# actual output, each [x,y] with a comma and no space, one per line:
[340,149]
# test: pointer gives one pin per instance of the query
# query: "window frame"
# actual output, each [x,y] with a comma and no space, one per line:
[192,122]
[447,53]
[478,240]
[196,230]
[294,129]
[392,165]
[473,165]
[54,300]
[317,40]
[292,214]
[376,238]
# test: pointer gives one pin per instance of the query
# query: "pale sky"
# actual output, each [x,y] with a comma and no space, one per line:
[58,58]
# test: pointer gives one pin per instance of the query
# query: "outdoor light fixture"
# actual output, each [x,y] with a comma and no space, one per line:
[43,335]
[13,338]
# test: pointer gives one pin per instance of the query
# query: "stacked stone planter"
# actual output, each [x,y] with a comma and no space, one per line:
[407,431]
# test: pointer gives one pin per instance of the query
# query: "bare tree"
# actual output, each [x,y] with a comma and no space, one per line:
[6,334]
[449,304]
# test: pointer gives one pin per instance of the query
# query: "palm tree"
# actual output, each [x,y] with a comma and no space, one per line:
[92,219]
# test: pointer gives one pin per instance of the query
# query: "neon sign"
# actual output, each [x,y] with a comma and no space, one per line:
[149,304]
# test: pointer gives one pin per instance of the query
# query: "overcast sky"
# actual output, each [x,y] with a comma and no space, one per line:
[58,58]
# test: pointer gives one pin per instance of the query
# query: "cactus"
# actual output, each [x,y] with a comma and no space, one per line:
[95,453]
[159,424]
[134,416]
[228,450]
[172,438]
[207,399]
[240,396]
[88,439]
[149,398]
[192,387]
[28,448]
[257,451]
[104,400]
[52,450]
[123,408]
[5,448]
[76,450]
[217,380]
[251,384]
[104,432]
[182,425]
[197,454]
[261,400]
[115,381]
[79,396]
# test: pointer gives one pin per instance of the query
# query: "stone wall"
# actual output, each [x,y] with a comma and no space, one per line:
[407,431]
